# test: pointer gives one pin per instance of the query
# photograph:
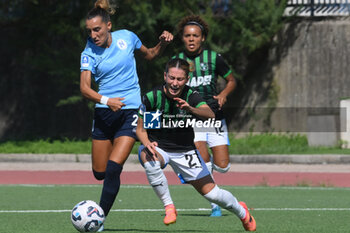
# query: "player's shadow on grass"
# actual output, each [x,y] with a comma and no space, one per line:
[203,215]
[142,230]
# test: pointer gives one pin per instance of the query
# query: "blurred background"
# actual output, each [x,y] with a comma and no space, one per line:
[290,59]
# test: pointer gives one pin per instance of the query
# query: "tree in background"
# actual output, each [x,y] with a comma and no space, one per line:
[42,41]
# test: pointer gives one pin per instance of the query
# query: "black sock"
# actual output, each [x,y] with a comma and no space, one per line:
[111,186]
[99,175]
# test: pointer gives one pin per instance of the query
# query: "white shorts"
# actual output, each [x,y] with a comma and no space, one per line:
[213,136]
[188,165]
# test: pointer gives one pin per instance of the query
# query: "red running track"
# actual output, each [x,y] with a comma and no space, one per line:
[139,177]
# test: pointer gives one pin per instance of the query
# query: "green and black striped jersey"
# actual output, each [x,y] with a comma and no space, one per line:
[171,136]
[205,68]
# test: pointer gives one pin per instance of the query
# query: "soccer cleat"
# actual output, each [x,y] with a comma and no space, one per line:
[248,222]
[101,228]
[170,214]
[216,212]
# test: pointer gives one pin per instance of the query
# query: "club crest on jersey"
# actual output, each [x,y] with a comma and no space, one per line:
[204,66]
[122,44]
[85,61]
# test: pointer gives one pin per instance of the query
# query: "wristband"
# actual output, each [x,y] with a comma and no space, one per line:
[104,100]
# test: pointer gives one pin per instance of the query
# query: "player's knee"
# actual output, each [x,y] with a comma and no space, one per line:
[154,172]
[99,175]
[222,169]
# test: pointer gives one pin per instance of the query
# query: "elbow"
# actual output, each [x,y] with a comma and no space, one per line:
[212,115]
[83,91]
[137,133]
[150,55]
[139,130]
[209,115]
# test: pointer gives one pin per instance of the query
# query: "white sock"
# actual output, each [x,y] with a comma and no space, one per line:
[159,183]
[210,168]
[226,200]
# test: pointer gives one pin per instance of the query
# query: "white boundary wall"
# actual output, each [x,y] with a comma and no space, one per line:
[345,123]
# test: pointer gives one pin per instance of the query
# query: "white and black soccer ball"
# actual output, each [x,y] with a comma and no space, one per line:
[87,216]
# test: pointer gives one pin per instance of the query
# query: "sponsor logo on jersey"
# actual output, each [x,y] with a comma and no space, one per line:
[122,44]
[199,81]
[85,61]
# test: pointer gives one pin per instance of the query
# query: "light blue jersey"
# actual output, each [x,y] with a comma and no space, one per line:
[114,68]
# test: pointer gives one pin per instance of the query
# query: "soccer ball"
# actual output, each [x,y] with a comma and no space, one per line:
[87,216]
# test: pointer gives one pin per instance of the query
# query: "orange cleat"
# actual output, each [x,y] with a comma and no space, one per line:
[170,214]
[248,222]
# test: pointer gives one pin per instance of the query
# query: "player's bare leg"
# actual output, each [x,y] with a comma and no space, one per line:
[122,147]
[221,158]
[101,150]
[203,150]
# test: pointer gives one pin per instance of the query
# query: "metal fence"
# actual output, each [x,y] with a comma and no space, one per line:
[318,8]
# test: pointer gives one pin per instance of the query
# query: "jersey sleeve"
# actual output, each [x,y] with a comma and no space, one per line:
[136,40]
[196,100]
[87,60]
[145,106]
[222,67]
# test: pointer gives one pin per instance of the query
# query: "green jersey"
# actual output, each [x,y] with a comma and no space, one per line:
[205,69]
[172,136]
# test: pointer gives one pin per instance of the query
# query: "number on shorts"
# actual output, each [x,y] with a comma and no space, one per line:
[193,160]
[219,130]
[134,123]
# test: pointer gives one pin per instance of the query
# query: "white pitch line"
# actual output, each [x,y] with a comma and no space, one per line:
[300,209]
[175,187]
[181,210]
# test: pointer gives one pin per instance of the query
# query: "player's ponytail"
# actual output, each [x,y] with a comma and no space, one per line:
[102,8]
[104,4]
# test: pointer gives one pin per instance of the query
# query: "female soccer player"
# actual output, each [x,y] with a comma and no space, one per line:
[172,143]
[206,66]
[108,58]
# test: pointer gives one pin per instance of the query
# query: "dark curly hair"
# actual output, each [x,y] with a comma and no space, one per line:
[193,20]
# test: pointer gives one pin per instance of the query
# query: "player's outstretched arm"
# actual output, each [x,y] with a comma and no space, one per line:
[150,53]
[204,112]
[142,135]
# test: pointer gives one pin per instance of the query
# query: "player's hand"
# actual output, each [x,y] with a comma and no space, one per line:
[182,104]
[166,37]
[221,100]
[115,103]
[152,147]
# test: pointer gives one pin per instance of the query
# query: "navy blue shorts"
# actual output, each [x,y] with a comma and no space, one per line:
[109,125]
